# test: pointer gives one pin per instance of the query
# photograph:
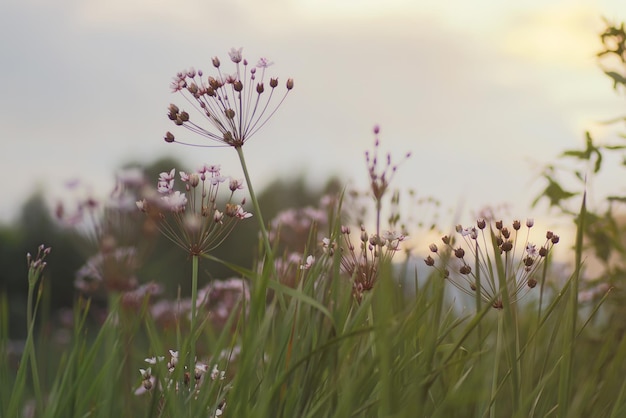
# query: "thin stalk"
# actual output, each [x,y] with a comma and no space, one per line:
[569,336]
[496,366]
[255,203]
[194,314]
[30,349]
[258,302]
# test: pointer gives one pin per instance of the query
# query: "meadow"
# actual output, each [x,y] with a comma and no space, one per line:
[335,317]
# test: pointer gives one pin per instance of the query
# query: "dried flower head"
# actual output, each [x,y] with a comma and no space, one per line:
[235,105]
[500,260]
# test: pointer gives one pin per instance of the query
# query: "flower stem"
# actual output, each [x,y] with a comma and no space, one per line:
[194,314]
[30,346]
[255,203]
[261,284]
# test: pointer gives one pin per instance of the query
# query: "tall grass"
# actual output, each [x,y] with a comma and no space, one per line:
[318,352]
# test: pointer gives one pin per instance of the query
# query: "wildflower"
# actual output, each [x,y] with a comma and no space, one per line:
[309,262]
[217,374]
[112,268]
[363,265]
[235,105]
[191,218]
[380,178]
[235,55]
[168,382]
[492,262]
[220,298]
[199,370]
[36,264]
[171,364]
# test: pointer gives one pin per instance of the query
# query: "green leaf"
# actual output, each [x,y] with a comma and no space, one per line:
[554,193]
[617,78]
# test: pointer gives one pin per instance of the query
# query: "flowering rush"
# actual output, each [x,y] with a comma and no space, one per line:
[193,217]
[235,105]
[487,261]
[363,265]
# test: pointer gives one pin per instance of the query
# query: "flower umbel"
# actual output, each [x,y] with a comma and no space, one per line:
[193,218]
[236,105]
[488,260]
[363,265]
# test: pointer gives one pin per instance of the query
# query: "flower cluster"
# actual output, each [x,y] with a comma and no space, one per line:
[380,178]
[201,370]
[110,227]
[236,105]
[363,265]
[191,218]
[491,260]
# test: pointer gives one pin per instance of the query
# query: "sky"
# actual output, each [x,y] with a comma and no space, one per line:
[483,93]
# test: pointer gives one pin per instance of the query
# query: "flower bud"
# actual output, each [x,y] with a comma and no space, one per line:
[290,84]
[216,62]
[169,137]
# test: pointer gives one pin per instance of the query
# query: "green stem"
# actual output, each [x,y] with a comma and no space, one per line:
[194,314]
[496,366]
[255,203]
[258,303]
[30,347]
[569,334]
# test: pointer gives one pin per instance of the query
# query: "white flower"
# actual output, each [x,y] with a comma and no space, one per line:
[531,249]
[213,168]
[264,63]
[173,360]
[175,202]
[165,187]
[242,214]
[216,373]
[471,231]
[235,55]
[146,373]
[165,176]
[309,262]
[200,369]
[235,184]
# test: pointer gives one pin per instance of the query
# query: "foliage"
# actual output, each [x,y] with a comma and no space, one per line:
[604,223]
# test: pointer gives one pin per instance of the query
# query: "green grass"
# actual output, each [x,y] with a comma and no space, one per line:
[317,352]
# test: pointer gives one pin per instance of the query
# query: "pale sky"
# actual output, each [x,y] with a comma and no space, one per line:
[483,93]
